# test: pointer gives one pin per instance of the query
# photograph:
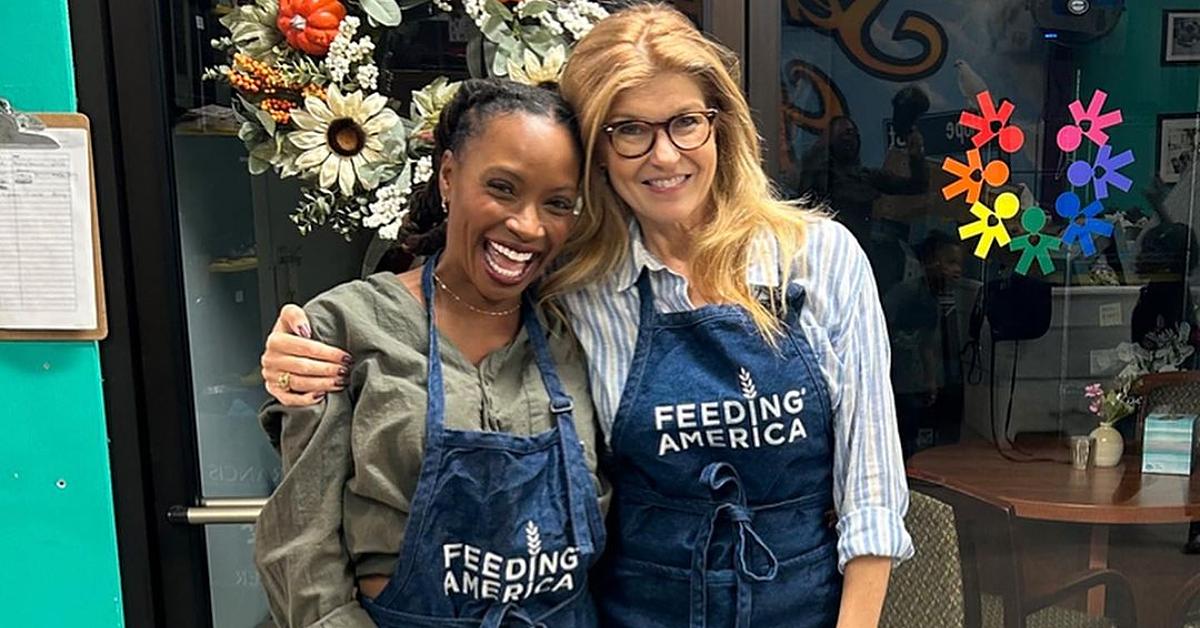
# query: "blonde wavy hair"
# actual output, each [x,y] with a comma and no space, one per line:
[631,48]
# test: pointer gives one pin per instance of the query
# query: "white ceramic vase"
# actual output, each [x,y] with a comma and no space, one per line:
[1107,446]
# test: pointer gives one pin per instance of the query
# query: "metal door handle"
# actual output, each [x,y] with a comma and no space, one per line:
[216,510]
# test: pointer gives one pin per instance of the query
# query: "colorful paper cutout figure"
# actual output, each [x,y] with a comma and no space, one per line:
[993,123]
[1035,245]
[1082,222]
[990,226]
[1103,173]
[1089,123]
[972,175]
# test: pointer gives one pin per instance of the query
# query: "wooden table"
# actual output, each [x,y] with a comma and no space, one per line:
[1055,491]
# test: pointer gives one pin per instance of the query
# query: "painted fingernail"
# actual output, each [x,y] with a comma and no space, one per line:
[343,371]
[305,331]
[319,396]
[341,382]
[347,359]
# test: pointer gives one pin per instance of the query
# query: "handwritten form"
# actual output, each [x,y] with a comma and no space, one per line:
[47,280]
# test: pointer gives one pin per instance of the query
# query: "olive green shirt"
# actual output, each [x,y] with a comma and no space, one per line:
[351,463]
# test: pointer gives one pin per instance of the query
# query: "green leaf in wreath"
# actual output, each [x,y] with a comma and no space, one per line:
[534,8]
[495,8]
[257,166]
[495,28]
[500,63]
[260,157]
[248,132]
[540,39]
[267,121]
[385,12]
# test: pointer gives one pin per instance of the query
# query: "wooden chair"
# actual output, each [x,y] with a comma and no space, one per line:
[931,590]
[1185,610]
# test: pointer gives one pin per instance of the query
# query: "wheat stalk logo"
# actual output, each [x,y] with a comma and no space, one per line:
[747,382]
[533,539]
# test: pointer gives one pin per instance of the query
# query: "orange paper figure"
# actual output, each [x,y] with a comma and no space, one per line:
[990,224]
[972,175]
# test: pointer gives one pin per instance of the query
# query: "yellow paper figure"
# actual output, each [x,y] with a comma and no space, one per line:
[990,224]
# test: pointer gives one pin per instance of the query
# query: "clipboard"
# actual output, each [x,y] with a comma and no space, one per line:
[27,131]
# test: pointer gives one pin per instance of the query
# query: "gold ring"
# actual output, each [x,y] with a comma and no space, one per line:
[284,381]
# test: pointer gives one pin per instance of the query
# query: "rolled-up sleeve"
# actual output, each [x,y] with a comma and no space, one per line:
[870,489]
[301,557]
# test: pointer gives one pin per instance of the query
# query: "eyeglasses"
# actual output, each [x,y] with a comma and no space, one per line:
[636,138]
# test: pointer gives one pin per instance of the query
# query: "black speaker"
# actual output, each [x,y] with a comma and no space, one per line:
[1076,21]
[1017,308]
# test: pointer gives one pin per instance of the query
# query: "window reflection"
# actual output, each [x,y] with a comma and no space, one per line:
[1057,253]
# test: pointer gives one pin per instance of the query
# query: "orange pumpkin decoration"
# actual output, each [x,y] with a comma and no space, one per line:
[310,25]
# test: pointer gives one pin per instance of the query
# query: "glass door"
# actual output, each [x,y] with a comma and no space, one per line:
[243,256]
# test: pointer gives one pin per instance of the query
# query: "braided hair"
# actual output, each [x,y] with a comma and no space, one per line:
[477,101]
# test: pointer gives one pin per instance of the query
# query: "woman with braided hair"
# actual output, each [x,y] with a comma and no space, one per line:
[453,478]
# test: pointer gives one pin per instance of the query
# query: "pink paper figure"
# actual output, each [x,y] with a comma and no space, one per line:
[993,123]
[990,224]
[1089,123]
[972,175]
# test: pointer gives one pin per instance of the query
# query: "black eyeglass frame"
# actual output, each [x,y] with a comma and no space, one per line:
[709,114]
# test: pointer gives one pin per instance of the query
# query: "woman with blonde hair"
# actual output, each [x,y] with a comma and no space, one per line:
[737,354]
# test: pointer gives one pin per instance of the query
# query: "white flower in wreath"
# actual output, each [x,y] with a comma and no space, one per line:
[387,212]
[534,71]
[423,170]
[340,140]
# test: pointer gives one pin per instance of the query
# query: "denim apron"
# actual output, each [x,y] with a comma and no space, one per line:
[722,455]
[503,528]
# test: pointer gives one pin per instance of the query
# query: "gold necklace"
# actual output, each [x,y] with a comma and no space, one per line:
[443,286]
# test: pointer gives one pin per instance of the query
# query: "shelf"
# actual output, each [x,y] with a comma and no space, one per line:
[235,265]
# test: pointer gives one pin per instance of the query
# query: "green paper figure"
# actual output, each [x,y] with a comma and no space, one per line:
[989,225]
[1035,244]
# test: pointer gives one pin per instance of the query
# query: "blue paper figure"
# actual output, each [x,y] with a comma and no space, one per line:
[1035,245]
[1082,223]
[1103,173]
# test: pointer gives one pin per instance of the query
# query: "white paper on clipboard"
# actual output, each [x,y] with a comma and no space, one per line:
[47,279]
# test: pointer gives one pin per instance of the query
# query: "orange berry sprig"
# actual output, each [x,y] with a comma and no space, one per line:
[255,77]
[279,109]
[279,95]
[312,89]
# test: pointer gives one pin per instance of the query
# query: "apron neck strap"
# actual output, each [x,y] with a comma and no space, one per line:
[435,390]
[646,294]
[561,406]
[560,403]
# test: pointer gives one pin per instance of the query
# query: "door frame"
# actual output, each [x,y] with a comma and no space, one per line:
[122,86]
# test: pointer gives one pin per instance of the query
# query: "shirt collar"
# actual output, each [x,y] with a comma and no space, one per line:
[760,273]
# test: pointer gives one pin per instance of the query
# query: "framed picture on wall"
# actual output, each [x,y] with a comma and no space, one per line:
[1181,37]
[1178,140]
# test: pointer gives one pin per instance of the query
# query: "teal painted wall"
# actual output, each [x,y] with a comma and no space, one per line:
[58,548]
[1127,65]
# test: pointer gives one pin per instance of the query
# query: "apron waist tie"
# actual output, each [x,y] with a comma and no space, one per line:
[717,475]
[499,612]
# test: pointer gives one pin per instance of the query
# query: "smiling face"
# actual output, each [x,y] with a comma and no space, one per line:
[667,186]
[511,192]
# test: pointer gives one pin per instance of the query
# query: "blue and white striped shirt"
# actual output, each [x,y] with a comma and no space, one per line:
[843,321]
